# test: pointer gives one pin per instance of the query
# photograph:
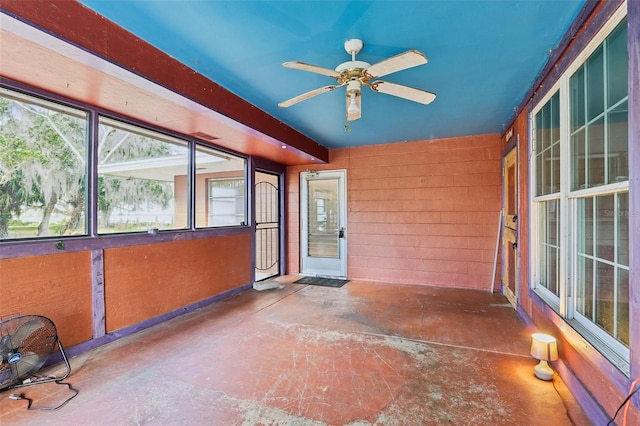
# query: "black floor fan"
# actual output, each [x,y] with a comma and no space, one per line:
[26,342]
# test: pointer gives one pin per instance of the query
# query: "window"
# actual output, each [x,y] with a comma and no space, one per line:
[226,202]
[43,168]
[143,178]
[580,199]
[220,189]
[140,175]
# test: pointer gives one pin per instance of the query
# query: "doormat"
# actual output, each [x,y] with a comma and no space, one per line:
[327,282]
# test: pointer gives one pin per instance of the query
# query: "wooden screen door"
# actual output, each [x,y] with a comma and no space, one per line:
[510,226]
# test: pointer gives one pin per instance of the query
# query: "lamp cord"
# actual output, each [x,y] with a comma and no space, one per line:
[632,390]
[566,409]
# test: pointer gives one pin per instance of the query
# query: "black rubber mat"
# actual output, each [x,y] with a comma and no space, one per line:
[327,282]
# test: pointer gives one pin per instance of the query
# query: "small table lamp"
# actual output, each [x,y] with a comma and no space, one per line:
[544,348]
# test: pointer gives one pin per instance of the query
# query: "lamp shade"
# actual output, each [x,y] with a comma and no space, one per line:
[544,347]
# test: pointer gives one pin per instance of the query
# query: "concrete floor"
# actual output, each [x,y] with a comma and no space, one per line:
[366,353]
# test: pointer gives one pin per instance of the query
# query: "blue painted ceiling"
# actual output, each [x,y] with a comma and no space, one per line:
[483,57]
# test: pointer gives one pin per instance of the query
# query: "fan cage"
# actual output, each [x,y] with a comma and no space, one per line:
[26,342]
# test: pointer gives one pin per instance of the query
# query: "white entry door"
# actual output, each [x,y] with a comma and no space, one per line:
[323,223]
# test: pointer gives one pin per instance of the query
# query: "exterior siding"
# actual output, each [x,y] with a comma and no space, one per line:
[421,212]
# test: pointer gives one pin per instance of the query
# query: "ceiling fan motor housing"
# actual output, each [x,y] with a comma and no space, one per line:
[353,46]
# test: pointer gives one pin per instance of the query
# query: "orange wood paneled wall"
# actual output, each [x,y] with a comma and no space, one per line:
[142,282]
[421,212]
[57,286]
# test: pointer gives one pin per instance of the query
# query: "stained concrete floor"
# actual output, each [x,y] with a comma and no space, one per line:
[363,354]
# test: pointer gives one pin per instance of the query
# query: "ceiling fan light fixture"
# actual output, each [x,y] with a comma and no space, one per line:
[353,108]
[354,105]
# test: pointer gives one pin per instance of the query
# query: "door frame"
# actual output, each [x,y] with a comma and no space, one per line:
[306,266]
[510,236]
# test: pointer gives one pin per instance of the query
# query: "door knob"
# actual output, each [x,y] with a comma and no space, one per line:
[514,245]
[341,233]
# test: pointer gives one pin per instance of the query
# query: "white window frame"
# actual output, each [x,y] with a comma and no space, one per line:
[564,305]
[211,200]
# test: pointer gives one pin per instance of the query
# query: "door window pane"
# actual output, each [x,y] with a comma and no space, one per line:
[43,168]
[141,173]
[323,218]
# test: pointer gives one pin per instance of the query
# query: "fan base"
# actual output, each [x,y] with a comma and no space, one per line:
[353,46]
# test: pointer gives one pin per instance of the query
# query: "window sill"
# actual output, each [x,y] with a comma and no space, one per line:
[585,342]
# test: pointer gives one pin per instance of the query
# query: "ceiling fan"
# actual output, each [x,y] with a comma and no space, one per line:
[355,74]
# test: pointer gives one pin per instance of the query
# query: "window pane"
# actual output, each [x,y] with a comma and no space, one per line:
[546,126]
[585,225]
[622,215]
[617,64]
[578,157]
[584,296]
[553,222]
[220,195]
[618,143]
[577,100]
[552,279]
[554,118]
[604,296]
[548,247]
[226,202]
[605,218]
[43,168]
[547,142]
[141,175]
[595,85]
[555,167]
[622,312]
[539,174]
[595,153]
[539,136]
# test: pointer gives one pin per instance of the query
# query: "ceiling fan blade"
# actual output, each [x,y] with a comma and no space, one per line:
[308,95]
[312,68]
[408,59]
[406,92]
